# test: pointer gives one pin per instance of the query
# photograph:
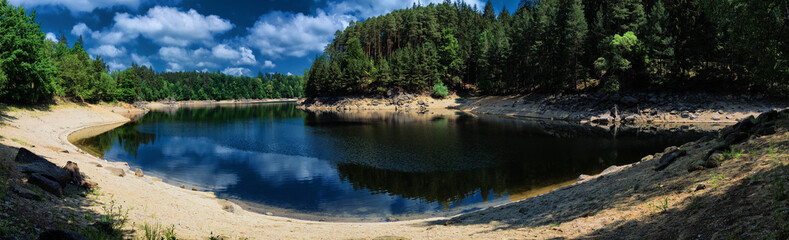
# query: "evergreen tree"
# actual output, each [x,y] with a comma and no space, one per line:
[26,69]
[659,41]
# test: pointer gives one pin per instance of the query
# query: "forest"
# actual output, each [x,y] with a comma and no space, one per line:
[559,46]
[34,70]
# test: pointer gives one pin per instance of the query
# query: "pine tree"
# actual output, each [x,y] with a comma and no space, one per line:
[659,41]
[573,38]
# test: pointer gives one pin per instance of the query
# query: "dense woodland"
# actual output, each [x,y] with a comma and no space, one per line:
[33,69]
[562,46]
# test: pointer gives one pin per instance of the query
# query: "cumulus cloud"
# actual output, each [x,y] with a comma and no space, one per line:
[170,26]
[163,25]
[237,71]
[115,66]
[107,51]
[52,37]
[280,33]
[240,56]
[141,60]
[77,6]
[269,64]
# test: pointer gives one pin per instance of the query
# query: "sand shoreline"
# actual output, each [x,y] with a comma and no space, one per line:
[197,215]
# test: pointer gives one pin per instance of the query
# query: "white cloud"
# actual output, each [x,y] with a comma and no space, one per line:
[164,25]
[52,37]
[279,33]
[371,8]
[76,6]
[141,60]
[115,66]
[247,57]
[237,71]
[225,52]
[107,51]
[172,27]
[269,64]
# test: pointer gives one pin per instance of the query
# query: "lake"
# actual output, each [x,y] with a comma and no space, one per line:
[370,166]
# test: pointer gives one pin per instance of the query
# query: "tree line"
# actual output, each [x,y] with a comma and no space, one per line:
[562,46]
[34,69]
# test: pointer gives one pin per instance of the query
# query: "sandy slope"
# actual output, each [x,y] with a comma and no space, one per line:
[613,206]
[194,214]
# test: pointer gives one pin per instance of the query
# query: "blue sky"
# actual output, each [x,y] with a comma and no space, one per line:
[230,36]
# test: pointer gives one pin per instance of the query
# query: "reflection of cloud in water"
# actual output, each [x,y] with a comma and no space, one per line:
[275,168]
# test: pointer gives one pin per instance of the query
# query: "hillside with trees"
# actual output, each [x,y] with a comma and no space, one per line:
[562,46]
[34,69]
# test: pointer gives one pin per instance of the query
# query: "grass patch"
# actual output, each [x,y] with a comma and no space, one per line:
[661,206]
[23,143]
[158,232]
[716,179]
[733,153]
[115,218]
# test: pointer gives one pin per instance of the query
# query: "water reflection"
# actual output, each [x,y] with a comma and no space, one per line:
[370,165]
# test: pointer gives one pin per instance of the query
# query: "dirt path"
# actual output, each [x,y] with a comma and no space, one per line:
[625,202]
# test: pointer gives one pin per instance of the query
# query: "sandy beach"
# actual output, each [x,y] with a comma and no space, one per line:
[595,207]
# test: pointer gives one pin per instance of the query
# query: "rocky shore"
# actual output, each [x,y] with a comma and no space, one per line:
[599,108]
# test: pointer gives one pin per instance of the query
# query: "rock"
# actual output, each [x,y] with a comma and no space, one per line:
[26,193]
[583,177]
[716,118]
[138,173]
[116,171]
[183,186]
[64,151]
[269,214]
[647,158]
[34,164]
[714,160]
[685,115]
[24,156]
[700,186]
[669,158]
[60,235]
[631,119]
[46,184]
[73,170]
[88,184]
[194,188]
[227,206]
[48,170]
[610,169]
[693,117]
[729,117]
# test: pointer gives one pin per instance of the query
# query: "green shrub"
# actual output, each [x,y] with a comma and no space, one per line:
[440,90]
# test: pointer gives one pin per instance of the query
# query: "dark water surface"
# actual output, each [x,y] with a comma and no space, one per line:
[368,166]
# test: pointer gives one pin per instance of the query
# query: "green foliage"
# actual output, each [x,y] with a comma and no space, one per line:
[553,45]
[25,70]
[661,206]
[440,90]
[158,232]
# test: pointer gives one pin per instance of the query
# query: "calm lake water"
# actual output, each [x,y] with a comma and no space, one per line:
[368,166]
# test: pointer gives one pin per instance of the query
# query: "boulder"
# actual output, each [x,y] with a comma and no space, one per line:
[669,158]
[46,184]
[714,160]
[138,173]
[716,118]
[583,177]
[73,170]
[30,163]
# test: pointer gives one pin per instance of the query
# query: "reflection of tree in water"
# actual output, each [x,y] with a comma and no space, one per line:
[445,188]
[127,137]
[219,114]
